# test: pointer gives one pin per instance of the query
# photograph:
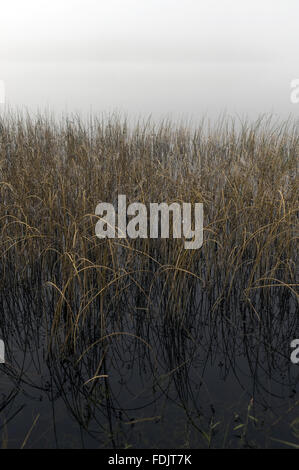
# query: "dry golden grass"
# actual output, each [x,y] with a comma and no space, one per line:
[52,176]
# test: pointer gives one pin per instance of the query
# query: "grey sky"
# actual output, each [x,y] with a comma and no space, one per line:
[141,56]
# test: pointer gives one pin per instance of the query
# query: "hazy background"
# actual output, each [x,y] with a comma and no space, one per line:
[165,57]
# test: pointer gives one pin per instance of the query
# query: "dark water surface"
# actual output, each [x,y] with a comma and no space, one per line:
[169,375]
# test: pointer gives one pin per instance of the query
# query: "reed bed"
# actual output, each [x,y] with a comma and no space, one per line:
[83,294]
[54,174]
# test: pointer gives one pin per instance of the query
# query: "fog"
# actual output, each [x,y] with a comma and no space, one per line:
[165,58]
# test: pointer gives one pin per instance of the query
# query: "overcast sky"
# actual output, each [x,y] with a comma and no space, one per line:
[165,57]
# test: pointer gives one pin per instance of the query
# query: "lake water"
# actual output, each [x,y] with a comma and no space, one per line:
[171,376]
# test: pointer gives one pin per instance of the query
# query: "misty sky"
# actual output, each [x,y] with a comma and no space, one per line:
[166,57]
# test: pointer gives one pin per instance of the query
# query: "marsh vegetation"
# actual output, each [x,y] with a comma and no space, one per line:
[142,343]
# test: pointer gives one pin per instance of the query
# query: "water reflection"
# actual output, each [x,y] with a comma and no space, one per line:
[146,370]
